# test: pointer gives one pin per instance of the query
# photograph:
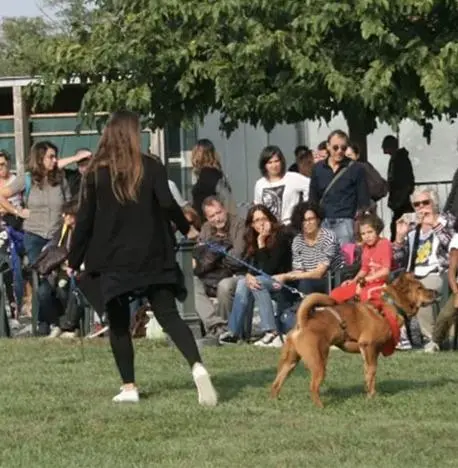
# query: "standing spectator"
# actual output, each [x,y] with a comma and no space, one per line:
[211,180]
[81,158]
[277,189]
[339,186]
[401,181]
[304,161]
[321,152]
[451,205]
[378,186]
[123,233]
[13,227]
[47,193]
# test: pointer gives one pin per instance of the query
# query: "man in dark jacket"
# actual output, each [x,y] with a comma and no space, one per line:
[401,181]
[451,205]
[215,273]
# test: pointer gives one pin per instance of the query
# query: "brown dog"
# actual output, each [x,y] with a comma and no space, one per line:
[353,327]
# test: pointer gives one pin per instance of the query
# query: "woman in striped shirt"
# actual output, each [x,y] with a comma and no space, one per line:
[315,250]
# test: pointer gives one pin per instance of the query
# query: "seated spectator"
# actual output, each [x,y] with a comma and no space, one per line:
[424,249]
[447,315]
[376,262]
[277,189]
[267,249]
[315,250]
[214,272]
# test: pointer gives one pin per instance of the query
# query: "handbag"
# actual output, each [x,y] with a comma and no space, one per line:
[13,221]
[53,256]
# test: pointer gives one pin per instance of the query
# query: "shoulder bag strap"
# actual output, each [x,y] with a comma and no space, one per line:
[334,180]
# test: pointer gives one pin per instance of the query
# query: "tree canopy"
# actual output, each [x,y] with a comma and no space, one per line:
[260,61]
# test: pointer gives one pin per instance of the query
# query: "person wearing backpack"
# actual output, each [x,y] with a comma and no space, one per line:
[378,186]
[45,192]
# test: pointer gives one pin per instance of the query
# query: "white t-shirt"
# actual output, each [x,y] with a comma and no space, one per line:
[176,194]
[453,243]
[283,195]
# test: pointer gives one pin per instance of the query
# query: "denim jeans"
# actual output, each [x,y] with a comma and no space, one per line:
[343,228]
[243,301]
[49,307]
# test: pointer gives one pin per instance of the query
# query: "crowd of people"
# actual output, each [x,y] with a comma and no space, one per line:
[306,224]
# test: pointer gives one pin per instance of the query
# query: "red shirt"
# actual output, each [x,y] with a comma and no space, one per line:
[376,257]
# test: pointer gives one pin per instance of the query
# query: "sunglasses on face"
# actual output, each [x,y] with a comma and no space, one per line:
[341,147]
[417,204]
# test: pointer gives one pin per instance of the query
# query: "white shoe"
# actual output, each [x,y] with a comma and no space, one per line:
[55,332]
[266,339]
[70,335]
[206,392]
[431,347]
[127,396]
[275,343]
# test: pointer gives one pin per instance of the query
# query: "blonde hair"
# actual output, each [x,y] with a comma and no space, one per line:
[205,155]
[119,149]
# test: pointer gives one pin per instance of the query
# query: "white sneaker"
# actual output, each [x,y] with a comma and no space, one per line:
[127,396]
[266,339]
[70,335]
[206,392]
[275,343]
[55,332]
[431,347]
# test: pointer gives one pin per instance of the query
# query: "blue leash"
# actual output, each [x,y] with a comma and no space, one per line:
[220,249]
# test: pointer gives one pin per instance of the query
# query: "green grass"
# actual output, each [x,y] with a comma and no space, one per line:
[56,411]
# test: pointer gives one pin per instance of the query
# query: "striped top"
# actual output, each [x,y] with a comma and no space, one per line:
[326,251]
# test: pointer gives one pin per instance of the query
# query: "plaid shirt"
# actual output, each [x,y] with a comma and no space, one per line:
[444,233]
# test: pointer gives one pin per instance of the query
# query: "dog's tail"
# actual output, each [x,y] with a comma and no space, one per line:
[309,303]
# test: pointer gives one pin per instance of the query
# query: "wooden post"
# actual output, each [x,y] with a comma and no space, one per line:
[21,129]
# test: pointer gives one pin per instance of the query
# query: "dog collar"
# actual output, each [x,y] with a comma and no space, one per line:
[399,311]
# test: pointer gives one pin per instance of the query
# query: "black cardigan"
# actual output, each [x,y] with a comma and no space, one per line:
[204,187]
[277,259]
[130,244]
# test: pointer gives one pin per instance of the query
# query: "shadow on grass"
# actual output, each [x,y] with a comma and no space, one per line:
[386,387]
[228,384]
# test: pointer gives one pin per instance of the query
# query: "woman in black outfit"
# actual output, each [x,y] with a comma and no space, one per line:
[210,178]
[124,235]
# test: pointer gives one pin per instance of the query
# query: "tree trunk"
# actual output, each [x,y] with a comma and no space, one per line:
[358,135]
[361,123]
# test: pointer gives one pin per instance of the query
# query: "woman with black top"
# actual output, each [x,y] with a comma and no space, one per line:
[268,249]
[123,233]
[210,181]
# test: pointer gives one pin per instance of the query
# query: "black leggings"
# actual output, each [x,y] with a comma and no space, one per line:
[163,304]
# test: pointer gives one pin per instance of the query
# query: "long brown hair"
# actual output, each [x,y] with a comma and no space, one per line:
[36,167]
[204,155]
[251,236]
[119,149]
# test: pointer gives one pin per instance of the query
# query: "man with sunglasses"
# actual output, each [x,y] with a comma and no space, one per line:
[339,186]
[401,181]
